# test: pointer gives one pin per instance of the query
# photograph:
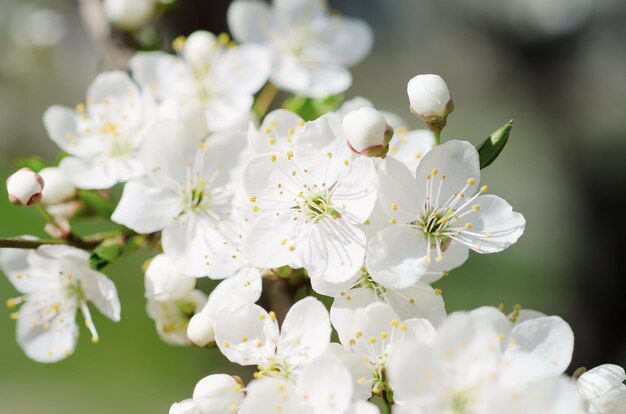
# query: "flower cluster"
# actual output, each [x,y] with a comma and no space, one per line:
[348,204]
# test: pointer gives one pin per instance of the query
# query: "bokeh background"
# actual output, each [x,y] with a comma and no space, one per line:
[558,67]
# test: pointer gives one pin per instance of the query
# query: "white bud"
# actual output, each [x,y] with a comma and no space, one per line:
[58,188]
[217,394]
[368,132]
[24,187]
[201,330]
[199,48]
[164,282]
[129,14]
[429,96]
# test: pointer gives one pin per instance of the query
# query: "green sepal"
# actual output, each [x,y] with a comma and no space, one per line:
[311,109]
[491,148]
[107,252]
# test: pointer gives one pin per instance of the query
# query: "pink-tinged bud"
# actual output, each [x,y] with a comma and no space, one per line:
[430,100]
[368,132]
[24,187]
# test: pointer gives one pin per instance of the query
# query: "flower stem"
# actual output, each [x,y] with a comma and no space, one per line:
[437,135]
[49,218]
[265,99]
[19,243]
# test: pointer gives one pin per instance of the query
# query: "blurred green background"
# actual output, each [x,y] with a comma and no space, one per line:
[559,71]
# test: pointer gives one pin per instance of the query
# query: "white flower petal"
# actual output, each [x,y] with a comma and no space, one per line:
[333,249]
[455,255]
[101,291]
[271,241]
[496,225]
[246,334]
[418,301]
[60,123]
[410,147]
[397,191]
[146,207]
[355,194]
[87,175]
[248,21]
[217,394]
[183,407]
[271,396]
[327,384]
[396,257]
[458,162]
[550,338]
[305,332]
[341,40]
[47,338]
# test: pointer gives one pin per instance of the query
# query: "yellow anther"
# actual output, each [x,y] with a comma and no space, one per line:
[256,209]
[46,325]
[273,157]
[223,38]
[393,220]
[346,162]
[394,206]
[292,248]
[401,131]
[283,242]
[439,259]
[179,43]
[438,291]
[394,323]
[14,315]
[348,298]
[226,344]
[403,328]
[488,235]
[445,273]
[291,131]
[476,207]
[253,199]
[501,337]
[358,334]
[233,408]
[262,317]
[471,181]
[352,342]
[342,294]
[468,225]
[383,336]
[501,307]
[411,301]
[11,303]
[477,246]
[272,315]
[244,339]
[361,380]
[372,340]
[329,155]
[257,375]
[434,172]
[367,222]
[484,189]
[289,155]
[95,339]
[271,141]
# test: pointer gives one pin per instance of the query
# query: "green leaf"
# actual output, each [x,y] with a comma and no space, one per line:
[106,253]
[34,163]
[310,109]
[491,148]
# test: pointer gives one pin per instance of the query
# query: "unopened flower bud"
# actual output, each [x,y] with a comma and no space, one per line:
[164,282]
[430,100]
[200,330]
[217,394]
[199,48]
[129,14]
[25,187]
[368,132]
[58,188]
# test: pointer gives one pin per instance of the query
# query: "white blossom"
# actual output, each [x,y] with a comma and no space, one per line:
[172,316]
[56,282]
[164,282]
[187,195]
[104,135]
[248,335]
[129,15]
[311,49]
[310,204]
[215,394]
[429,96]
[211,72]
[440,206]
[368,132]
